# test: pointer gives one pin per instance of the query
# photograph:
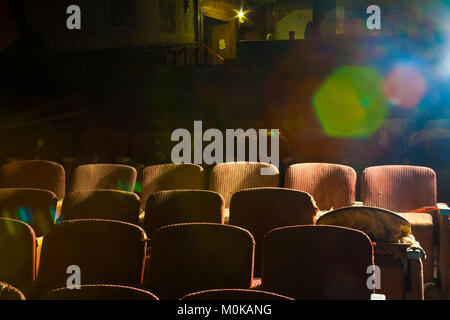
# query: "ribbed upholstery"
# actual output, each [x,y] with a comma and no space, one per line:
[260,210]
[100,292]
[104,176]
[191,257]
[150,148]
[402,189]
[37,174]
[171,177]
[331,185]
[317,262]
[101,204]
[102,146]
[235,295]
[398,188]
[35,207]
[8,292]
[390,231]
[228,178]
[182,206]
[107,252]
[17,251]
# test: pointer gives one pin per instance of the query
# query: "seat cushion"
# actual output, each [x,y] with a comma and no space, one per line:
[418,219]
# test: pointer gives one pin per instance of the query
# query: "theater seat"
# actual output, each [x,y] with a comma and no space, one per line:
[234,295]
[100,292]
[230,177]
[403,189]
[8,292]
[106,251]
[35,207]
[191,257]
[317,262]
[101,204]
[104,176]
[332,186]
[38,174]
[171,177]
[396,252]
[260,210]
[17,252]
[182,206]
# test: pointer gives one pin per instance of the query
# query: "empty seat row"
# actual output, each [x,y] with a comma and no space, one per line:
[331,185]
[104,292]
[186,258]
[398,188]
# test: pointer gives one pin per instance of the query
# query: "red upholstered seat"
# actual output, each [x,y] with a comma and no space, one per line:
[191,257]
[398,188]
[104,176]
[17,252]
[107,252]
[101,204]
[230,177]
[38,174]
[331,185]
[171,177]
[260,210]
[402,276]
[35,207]
[182,206]
[317,262]
[8,292]
[402,189]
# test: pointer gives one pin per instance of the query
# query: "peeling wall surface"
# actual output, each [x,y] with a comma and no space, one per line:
[109,24]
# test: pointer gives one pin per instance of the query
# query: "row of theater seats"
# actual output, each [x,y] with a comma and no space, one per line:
[397,188]
[299,261]
[118,292]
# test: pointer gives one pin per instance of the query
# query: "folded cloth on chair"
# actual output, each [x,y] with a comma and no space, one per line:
[379,224]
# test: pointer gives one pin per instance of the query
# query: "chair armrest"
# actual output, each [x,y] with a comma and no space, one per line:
[415,275]
[443,209]
[443,250]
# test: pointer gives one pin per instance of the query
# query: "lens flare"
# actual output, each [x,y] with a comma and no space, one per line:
[24,215]
[137,187]
[405,86]
[351,102]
